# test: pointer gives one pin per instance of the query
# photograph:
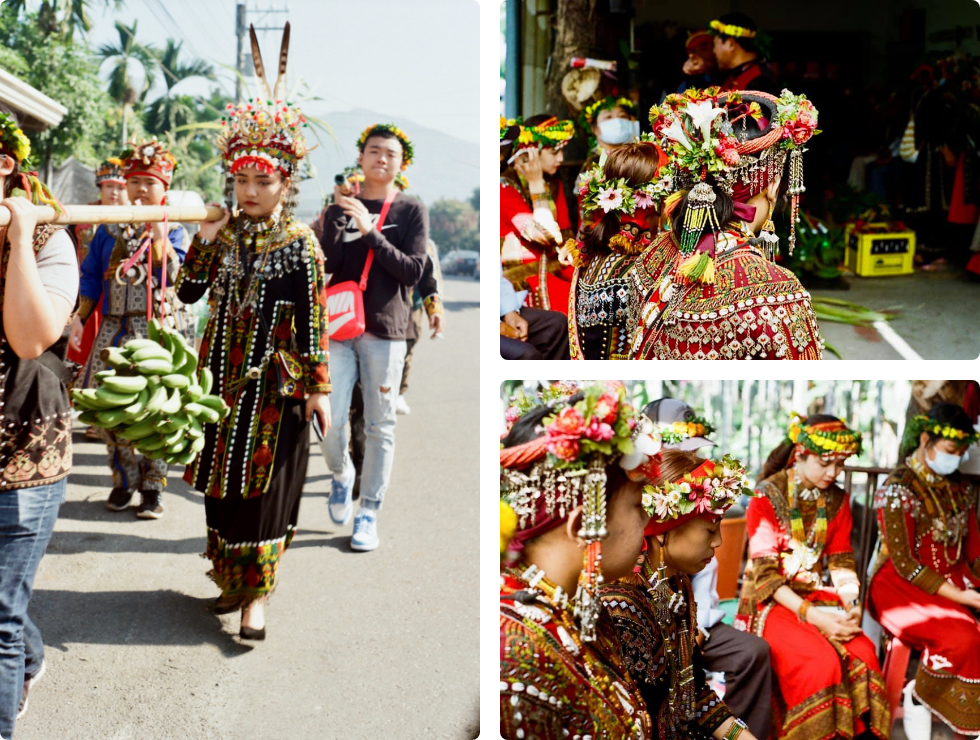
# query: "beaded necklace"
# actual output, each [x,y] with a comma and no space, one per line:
[242,268]
[555,603]
[668,605]
[807,546]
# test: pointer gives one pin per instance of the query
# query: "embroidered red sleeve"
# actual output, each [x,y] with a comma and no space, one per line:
[765,532]
[764,528]
[839,530]
[896,523]
[511,204]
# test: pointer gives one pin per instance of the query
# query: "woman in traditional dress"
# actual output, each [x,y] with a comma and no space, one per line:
[826,670]
[654,613]
[575,508]
[620,205]
[709,286]
[922,590]
[534,217]
[266,346]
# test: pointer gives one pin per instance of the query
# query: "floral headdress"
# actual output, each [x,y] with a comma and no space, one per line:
[13,141]
[599,193]
[110,171]
[921,423]
[675,432]
[730,29]
[266,131]
[407,152]
[151,158]
[711,488]
[544,479]
[637,206]
[508,124]
[552,134]
[705,134]
[830,440]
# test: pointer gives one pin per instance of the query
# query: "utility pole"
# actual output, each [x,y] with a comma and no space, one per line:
[241,28]
[240,59]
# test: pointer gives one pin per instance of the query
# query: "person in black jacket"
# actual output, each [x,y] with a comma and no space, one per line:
[351,232]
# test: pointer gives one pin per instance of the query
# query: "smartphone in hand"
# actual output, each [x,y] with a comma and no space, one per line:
[317,429]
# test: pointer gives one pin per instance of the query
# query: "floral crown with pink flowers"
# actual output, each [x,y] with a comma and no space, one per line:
[578,440]
[599,193]
[711,488]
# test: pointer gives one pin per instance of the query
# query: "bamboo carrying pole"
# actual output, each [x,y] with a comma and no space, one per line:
[120,214]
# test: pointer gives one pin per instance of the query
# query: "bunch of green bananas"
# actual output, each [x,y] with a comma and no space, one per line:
[154,395]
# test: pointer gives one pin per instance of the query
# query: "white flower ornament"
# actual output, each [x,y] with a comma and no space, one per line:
[702,116]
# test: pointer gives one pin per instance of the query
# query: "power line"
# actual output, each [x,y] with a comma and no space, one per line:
[173,24]
[167,71]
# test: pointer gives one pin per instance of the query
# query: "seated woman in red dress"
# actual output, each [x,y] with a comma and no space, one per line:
[826,670]
[534,218]
[929,564]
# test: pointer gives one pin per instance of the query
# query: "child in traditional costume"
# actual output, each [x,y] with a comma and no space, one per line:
[826,670]
[127,302]
[265,345]
[534,217]
[709,286]
[928,566]
[112,192]
[654,613]
[569,500]
[620,209]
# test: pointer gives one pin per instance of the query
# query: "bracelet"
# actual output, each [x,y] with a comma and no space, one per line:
[540,198]
[804,608]
[738,726]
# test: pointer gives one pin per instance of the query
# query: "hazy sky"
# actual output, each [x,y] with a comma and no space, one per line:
[415,60]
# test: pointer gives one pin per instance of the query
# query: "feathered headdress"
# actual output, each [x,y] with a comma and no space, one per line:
[266,131]
[151,158]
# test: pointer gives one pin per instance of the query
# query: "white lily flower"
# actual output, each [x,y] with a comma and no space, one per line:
[702,115]
[675,132]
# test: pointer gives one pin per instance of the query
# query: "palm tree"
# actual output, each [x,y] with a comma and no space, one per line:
[64,17]
[128,50]
[169,110]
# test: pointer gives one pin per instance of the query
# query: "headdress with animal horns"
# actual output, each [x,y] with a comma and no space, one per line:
[266,131]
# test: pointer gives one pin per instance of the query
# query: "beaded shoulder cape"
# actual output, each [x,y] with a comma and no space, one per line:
[753,309]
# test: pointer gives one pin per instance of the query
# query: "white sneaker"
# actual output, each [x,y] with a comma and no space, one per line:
[365,536]
[916,718]
[401,407]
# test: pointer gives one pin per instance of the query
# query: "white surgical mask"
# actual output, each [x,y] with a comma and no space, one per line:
[618,130]
[945,463]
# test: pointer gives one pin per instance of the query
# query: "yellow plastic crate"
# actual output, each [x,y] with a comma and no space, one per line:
[880,253]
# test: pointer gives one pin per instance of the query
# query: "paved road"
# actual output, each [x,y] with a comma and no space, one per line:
[360,645]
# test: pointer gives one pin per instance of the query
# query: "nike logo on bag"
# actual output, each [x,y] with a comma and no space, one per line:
[339,321]
[340,308]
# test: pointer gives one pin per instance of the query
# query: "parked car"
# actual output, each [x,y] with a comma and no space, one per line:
[459,262]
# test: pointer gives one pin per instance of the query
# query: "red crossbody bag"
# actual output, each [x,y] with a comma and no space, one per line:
[345,301]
